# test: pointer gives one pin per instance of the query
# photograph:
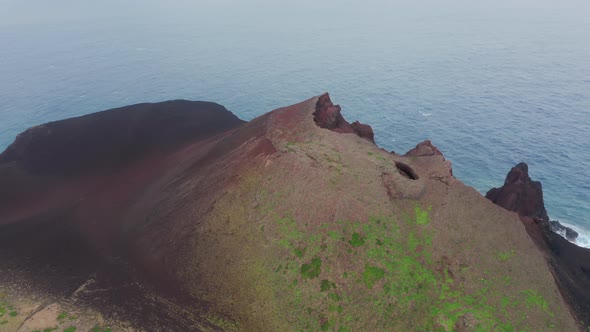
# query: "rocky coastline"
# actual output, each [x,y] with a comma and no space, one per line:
[570,263]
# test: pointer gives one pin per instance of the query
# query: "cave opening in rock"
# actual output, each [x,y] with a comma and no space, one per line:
[406,171]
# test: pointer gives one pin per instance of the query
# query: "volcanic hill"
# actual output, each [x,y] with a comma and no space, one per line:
[178,216]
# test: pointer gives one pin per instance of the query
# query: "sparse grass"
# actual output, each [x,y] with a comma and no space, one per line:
[49,329]
[393,264]
[505,256]
[224,324]
[98,328]
[70,329]
[63,315]
[289,146]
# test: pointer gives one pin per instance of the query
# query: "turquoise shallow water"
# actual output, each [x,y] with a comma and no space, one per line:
[491,85]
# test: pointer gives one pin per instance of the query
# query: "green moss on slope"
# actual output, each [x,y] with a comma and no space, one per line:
[357,273]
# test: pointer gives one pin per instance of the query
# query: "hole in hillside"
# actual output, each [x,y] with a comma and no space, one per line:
[406,171]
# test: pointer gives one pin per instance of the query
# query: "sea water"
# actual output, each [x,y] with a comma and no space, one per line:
[490,83]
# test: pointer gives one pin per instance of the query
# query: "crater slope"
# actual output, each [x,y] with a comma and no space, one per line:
[293,221]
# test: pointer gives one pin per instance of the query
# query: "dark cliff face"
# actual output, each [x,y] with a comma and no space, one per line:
[570,264]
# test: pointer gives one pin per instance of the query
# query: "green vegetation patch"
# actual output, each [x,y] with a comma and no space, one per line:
[326,285]
[63,315]
[311,270]
[371,275]
[422,217]
[298,253]
[355,257]
[70,329]
[505,256]
[357,240]
[534,300]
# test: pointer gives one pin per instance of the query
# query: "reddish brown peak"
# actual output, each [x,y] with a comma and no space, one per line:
[424,149]
[520,194]
[519,174]
[363,130]
[328,116]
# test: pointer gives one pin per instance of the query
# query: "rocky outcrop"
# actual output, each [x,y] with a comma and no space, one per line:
[524,196]
[520,194]
[363,130]
[570,264]
[567,232]
[424,149]
[427,149]
[328,116]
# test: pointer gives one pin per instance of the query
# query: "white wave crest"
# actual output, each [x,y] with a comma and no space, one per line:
[583,239]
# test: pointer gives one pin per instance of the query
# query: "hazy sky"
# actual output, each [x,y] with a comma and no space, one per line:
[55,11]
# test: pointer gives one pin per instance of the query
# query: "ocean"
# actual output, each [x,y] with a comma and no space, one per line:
[491,84]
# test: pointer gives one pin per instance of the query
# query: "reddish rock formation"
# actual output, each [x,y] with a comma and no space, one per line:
[520,194]
[364,131]
[328,116]
[424,149]
[427,149]
[570,264]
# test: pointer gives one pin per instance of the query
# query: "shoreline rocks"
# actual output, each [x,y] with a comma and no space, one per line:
[570,264]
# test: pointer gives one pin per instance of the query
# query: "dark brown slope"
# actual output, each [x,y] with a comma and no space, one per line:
[65,187]
[56,164]
[570,264]
[117,136]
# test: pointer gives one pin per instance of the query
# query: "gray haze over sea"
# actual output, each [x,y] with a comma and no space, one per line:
[492,83]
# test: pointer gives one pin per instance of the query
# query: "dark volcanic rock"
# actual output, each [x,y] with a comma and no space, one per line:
[328,116]
[569,263]
[520,194]
[569,233]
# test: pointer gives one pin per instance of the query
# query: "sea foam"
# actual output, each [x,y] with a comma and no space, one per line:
[583,239]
